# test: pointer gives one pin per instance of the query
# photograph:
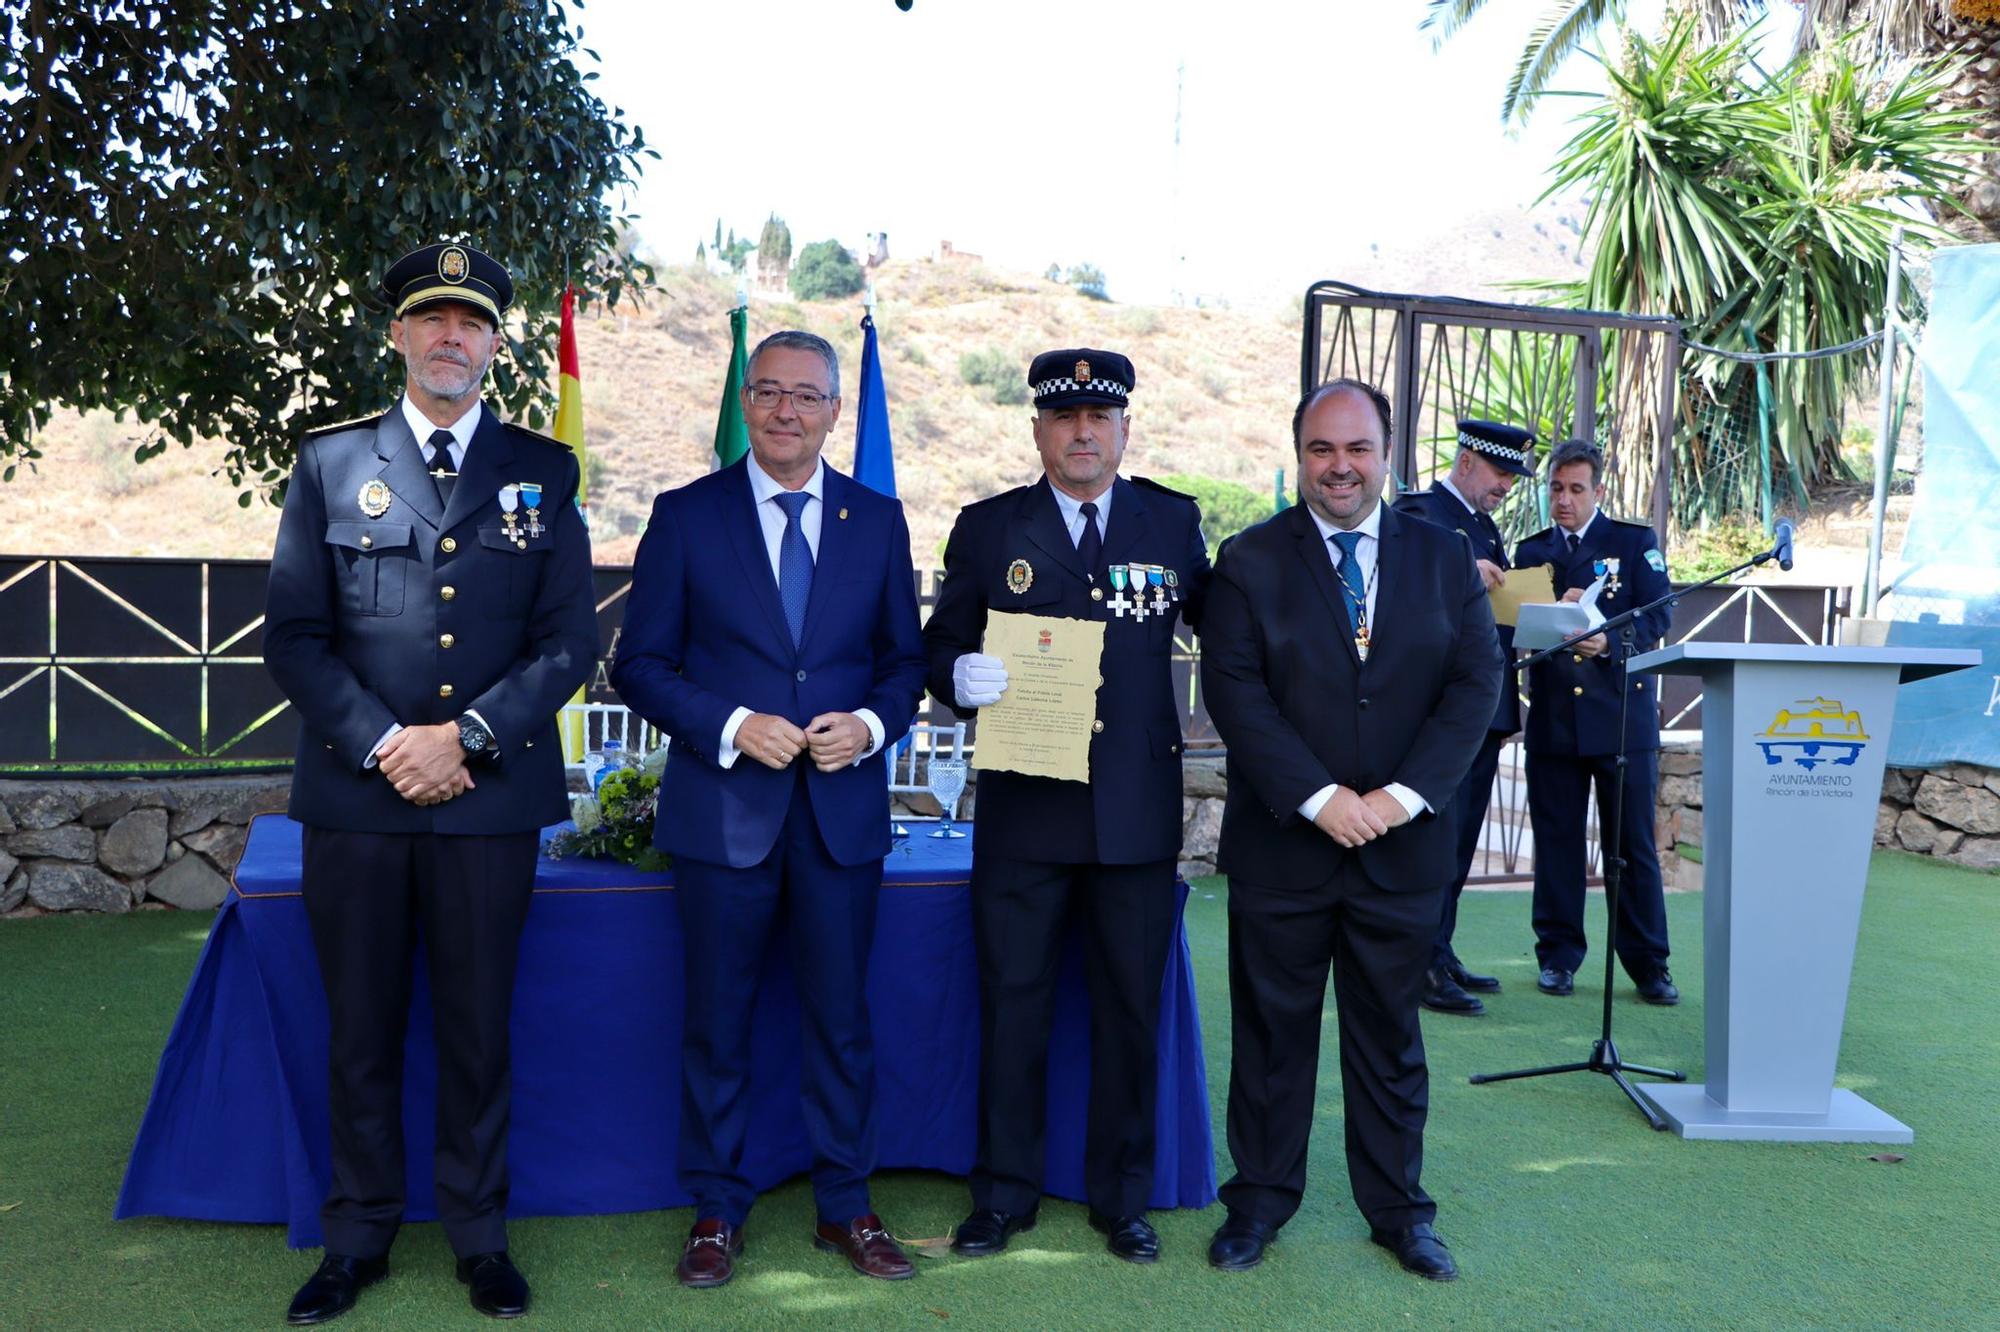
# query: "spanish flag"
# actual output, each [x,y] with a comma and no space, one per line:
[569,430]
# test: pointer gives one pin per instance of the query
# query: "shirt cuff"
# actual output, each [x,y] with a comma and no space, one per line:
[1412,803]
[875,734]
[370,761]
[727,753]
[1314,803]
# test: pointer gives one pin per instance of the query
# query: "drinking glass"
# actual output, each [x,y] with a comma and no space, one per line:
[947,783]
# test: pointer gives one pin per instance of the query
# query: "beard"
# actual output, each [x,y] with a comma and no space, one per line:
[445,378]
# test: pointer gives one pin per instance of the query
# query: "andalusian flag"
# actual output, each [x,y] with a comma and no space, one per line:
[732,441]
[569,430]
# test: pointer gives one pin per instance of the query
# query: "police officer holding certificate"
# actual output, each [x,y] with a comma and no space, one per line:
[1084,543]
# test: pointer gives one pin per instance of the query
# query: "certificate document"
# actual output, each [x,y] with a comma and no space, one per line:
[1041,725]
[1523,587]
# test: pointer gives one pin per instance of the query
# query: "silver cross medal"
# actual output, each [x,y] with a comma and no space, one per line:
[1138,572]
[1119,603]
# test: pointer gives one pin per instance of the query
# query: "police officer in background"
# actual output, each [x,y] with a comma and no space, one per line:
[1572,734]
[430,610]
[1081,542]
[1491,457]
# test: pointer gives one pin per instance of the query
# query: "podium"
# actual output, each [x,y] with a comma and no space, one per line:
[1794,743]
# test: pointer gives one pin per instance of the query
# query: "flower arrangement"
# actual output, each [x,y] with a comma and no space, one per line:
[617,822]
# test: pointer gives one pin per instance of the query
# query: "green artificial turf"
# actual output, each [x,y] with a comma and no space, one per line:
[1564,1210]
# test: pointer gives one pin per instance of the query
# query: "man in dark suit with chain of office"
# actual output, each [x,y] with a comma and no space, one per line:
[1082,543]
[427,628]
[1350,664]
[1572,734]
[1491,457]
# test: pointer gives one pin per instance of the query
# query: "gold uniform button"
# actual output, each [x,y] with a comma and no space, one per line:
[444,691]
[447,592]
[1577,690]
[1097,594]
[1576,657]
[448,545]
[446,640]
[367,542]
[1097,725]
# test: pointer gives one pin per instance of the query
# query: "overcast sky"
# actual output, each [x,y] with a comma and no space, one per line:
[1039,131]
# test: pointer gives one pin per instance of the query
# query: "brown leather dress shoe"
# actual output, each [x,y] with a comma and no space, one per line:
[709,1256]
[868,1247]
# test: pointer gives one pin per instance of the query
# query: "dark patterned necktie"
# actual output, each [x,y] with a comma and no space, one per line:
[1353,592]
[1090,546]
[439,463]
[795,564]
[1574,541]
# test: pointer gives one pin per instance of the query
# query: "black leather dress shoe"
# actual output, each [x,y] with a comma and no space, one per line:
[1419,1250]
[330,1291]
[1554,980]
[1129,1237]
[498,1288]
[1659,988]
[1443,995]
[1470,980]
[986,1232]
[1239,1243]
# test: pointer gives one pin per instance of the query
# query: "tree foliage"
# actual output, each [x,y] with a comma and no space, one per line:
[1758,210]
[774,244]
[826,271]
[1227,507]
[197,202]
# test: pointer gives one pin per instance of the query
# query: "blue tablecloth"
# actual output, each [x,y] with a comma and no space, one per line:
[236,1129]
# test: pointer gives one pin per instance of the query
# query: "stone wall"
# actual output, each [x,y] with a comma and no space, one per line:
[124,845]
[1952,813]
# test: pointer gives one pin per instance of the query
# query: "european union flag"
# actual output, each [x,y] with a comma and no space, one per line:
[874,455]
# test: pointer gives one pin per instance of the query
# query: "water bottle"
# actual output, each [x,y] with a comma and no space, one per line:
[608,759]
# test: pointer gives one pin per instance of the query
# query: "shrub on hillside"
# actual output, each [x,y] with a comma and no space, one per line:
[826,271]
[994,370]
[1227,507]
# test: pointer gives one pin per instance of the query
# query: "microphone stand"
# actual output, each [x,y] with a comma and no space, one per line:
[1604,1055]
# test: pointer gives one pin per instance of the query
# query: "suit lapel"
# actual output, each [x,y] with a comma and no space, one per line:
[403,467]
[1319,568]
[1045,528]
[835,536]
[746,533]
[1389,569]
[488,461]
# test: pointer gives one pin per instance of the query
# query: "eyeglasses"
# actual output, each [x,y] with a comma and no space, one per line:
[807,402]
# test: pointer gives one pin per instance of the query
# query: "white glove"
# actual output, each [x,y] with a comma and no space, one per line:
[978,679]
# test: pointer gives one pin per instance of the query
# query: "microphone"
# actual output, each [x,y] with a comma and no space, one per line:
[1781,546]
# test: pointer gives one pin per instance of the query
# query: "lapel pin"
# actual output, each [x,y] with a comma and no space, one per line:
[843,515]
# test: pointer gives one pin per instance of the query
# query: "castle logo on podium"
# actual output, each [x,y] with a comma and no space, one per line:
[1812,732]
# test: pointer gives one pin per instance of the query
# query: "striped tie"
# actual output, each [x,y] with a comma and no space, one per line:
[1353,592]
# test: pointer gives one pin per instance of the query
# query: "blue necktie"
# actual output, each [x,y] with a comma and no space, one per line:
[1090,546]
[795,564]
[1353,592]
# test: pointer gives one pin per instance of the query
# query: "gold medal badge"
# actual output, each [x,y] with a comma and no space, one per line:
[375,498]
[1020,577]
[453,265]
[1082,375]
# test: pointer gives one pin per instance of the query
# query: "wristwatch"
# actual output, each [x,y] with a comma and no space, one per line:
[474,737]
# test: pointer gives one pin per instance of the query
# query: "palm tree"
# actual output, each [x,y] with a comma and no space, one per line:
[1964,32]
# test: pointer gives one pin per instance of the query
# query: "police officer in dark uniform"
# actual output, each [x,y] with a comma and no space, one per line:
[1572,733]
[430,611]
[1084,543]
[1491,457]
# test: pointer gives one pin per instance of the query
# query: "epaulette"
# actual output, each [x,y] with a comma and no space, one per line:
[1537,536]
[992,499]
[1150,484]
[338,426]
[1632,522]
[537,436]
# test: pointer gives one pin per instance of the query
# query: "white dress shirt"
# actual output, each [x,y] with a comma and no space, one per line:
[771,520]
[1072,512]
[1366,554]
[1445,481]
[1579,533]
[461,439]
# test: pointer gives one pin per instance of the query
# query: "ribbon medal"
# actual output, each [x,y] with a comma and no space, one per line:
[531,495]
[1138,575]
[1157,577]
[1611,588]
[1120,603]
[510,500]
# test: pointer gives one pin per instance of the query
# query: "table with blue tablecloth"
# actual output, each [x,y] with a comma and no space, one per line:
[236,1129]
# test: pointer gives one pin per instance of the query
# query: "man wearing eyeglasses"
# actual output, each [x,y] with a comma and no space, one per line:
[772,632]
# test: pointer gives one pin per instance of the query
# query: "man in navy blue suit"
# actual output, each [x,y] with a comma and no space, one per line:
[772,633]
[1572,735]
[429,613]
[1491,457]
